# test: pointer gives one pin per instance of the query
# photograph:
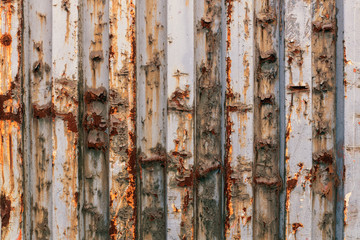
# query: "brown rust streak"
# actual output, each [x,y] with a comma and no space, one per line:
[324,60]
[228,145]
[267,181]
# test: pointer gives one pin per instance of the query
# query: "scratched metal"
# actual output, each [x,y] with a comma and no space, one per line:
[179,119]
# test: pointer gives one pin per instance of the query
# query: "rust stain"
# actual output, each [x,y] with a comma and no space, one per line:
[296,226]
[122,99]
[65,5]
[6,39]
[228,144]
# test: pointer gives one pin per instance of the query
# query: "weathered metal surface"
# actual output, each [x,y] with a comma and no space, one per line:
[266,176]
[151,118]
[208,159]
[64,109]
[181,119]
[40,116]
[95,95]
[323,174]
[11,161]
[122,155]
[239,141]
[298,140]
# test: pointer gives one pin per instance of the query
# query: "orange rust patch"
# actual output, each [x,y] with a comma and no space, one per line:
[6,39]
[296,226]
[5,205]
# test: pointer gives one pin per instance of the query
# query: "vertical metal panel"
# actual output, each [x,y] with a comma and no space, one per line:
[208,119]
[11,180]
[122,96]
[151,117]
[239,119]
[41,125]
[95,60]
[266,177]
[180,120]
[127,119]
[298,136]
[352,119]
[65,124]
[323,44]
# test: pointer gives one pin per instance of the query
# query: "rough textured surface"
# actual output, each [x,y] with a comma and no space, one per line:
[239,119]
[298,134]
[266,178]
[95,115]
[181,119]
[122,155]
[208,165]
[323,175]
[11,119]
[151,118]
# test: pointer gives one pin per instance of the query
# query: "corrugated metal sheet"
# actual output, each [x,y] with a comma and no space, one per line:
[179,119]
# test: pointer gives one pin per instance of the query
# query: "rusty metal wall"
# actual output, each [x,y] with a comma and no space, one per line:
[180,119]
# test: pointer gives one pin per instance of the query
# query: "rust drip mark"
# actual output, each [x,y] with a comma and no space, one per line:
[178,100]
[5,204]
[6,39]
[295,227]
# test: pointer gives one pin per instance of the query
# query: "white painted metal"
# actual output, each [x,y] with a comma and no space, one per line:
[11,179]
[352,119]
[298,147]
[180,124]
[65,132]
[240,58]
